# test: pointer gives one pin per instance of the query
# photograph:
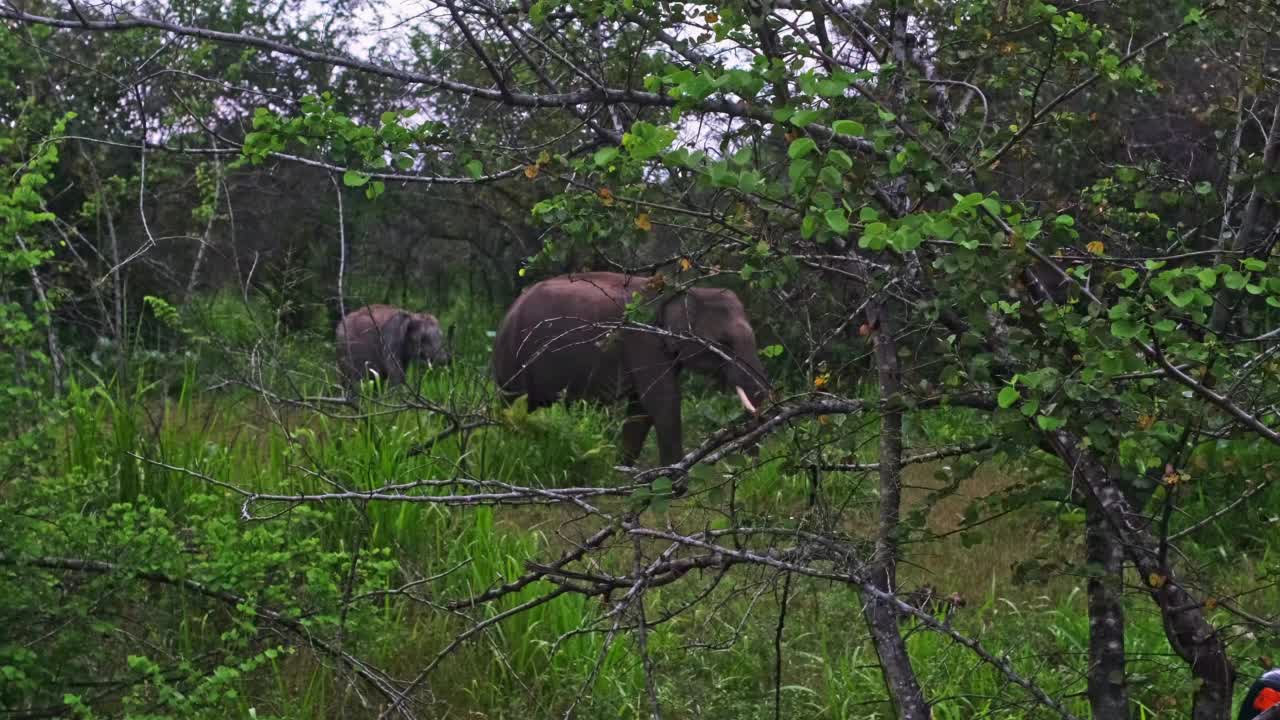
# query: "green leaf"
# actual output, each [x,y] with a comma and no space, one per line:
[808,226]
[906,239]
[840,159]
[992,205]
[942,228]
[833,87]
[868,214]
[1008,396]
[639,499]
[1030,407]
[1125,328]
[1234,280]
[354,178]
[1207,277]
[475,168]
[1254,264]
[722,176]
[647,140]
[662,486]
[837,221]
[1184,298]
[771,351]
[830,177]
[1049,424]
[801,147]
[849,127]
[805,117]
[750,181]
[604,156]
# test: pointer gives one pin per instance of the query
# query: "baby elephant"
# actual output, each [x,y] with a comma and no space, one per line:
[384,340]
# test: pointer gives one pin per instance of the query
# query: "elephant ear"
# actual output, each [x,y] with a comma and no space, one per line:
[394,334]
[679,315]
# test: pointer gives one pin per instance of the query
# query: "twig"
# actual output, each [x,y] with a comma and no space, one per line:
[777,647]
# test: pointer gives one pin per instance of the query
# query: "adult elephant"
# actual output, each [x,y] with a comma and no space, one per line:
[385,340]
[565,337]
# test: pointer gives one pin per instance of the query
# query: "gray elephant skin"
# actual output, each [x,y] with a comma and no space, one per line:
[564,338]
[387,340]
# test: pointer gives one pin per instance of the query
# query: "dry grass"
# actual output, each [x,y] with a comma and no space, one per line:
[986,566]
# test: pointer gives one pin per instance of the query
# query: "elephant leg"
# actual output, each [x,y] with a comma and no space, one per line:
[634,431]
[661,400]
[395,372]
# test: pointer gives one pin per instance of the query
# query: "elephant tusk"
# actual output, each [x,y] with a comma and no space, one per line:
[746,402]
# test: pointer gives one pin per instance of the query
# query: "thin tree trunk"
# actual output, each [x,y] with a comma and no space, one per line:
[1108,693]
[55,352]
[882,618]
[342,251]
[118,290]
[203,250]
[1240,241]
[1189,632]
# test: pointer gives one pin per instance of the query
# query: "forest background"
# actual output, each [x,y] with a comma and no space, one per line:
[1012,265]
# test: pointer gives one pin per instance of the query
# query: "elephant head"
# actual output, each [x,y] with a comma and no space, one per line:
[712,336]
[385,341]
[416,337]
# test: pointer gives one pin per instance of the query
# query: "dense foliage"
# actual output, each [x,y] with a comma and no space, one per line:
[1012,265]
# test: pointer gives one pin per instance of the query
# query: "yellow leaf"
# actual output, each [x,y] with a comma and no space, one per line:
[1096,247]
[1210,603]
[531,171]
[1156,580]
[642,222]
[606,196]
[712,18]
[823,419]
[1146,421]
[821,381]
[522,272]
[685,264]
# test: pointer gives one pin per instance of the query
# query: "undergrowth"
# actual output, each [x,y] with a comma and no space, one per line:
[148,478]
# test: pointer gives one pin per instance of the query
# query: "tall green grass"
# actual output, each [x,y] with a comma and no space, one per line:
[152,457]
